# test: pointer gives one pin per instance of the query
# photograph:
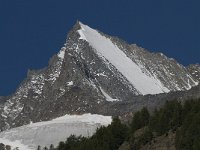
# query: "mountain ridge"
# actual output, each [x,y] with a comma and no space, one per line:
[79,79]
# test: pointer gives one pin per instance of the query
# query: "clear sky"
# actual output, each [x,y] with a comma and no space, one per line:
[31,31]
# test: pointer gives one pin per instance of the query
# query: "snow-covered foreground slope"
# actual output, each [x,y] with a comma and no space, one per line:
[28,137]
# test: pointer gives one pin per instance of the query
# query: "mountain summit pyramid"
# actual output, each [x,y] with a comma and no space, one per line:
[90,69]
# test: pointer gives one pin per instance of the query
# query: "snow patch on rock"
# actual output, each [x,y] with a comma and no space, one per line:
[70,83]
[61,54]
[108,98]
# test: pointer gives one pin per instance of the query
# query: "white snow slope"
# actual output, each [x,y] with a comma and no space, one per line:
[104,47]
[28,137]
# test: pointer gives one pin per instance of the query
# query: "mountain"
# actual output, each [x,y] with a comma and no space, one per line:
[91,73]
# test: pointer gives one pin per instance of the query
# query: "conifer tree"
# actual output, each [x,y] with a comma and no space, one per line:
[51,147]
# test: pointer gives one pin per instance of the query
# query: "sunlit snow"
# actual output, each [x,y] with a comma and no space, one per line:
[108,98]
[14,144]
[145,84]
[52,132]
[61,54]
[70,83]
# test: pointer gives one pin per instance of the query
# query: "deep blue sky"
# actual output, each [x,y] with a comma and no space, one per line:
[31,31]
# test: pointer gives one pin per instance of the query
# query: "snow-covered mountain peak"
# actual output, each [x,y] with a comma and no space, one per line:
[92,69]
[81,31]
[106,49]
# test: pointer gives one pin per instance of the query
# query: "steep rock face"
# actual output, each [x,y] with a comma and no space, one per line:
[127,108]
[194,71]
[90,70]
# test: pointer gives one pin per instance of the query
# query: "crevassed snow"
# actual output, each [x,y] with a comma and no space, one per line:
[52,132]
[145,84]
[14,144]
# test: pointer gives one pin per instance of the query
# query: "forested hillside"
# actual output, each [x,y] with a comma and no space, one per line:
[182,120]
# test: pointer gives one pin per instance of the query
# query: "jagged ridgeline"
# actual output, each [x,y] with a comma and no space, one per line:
[98,74]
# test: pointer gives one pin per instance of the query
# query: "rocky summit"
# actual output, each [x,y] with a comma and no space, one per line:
[92,72]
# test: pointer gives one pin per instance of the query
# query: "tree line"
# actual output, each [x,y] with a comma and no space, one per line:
[183,119]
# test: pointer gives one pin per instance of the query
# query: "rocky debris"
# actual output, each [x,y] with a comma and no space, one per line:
[194,71]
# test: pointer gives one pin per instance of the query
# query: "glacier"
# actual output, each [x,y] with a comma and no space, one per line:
[45,133]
